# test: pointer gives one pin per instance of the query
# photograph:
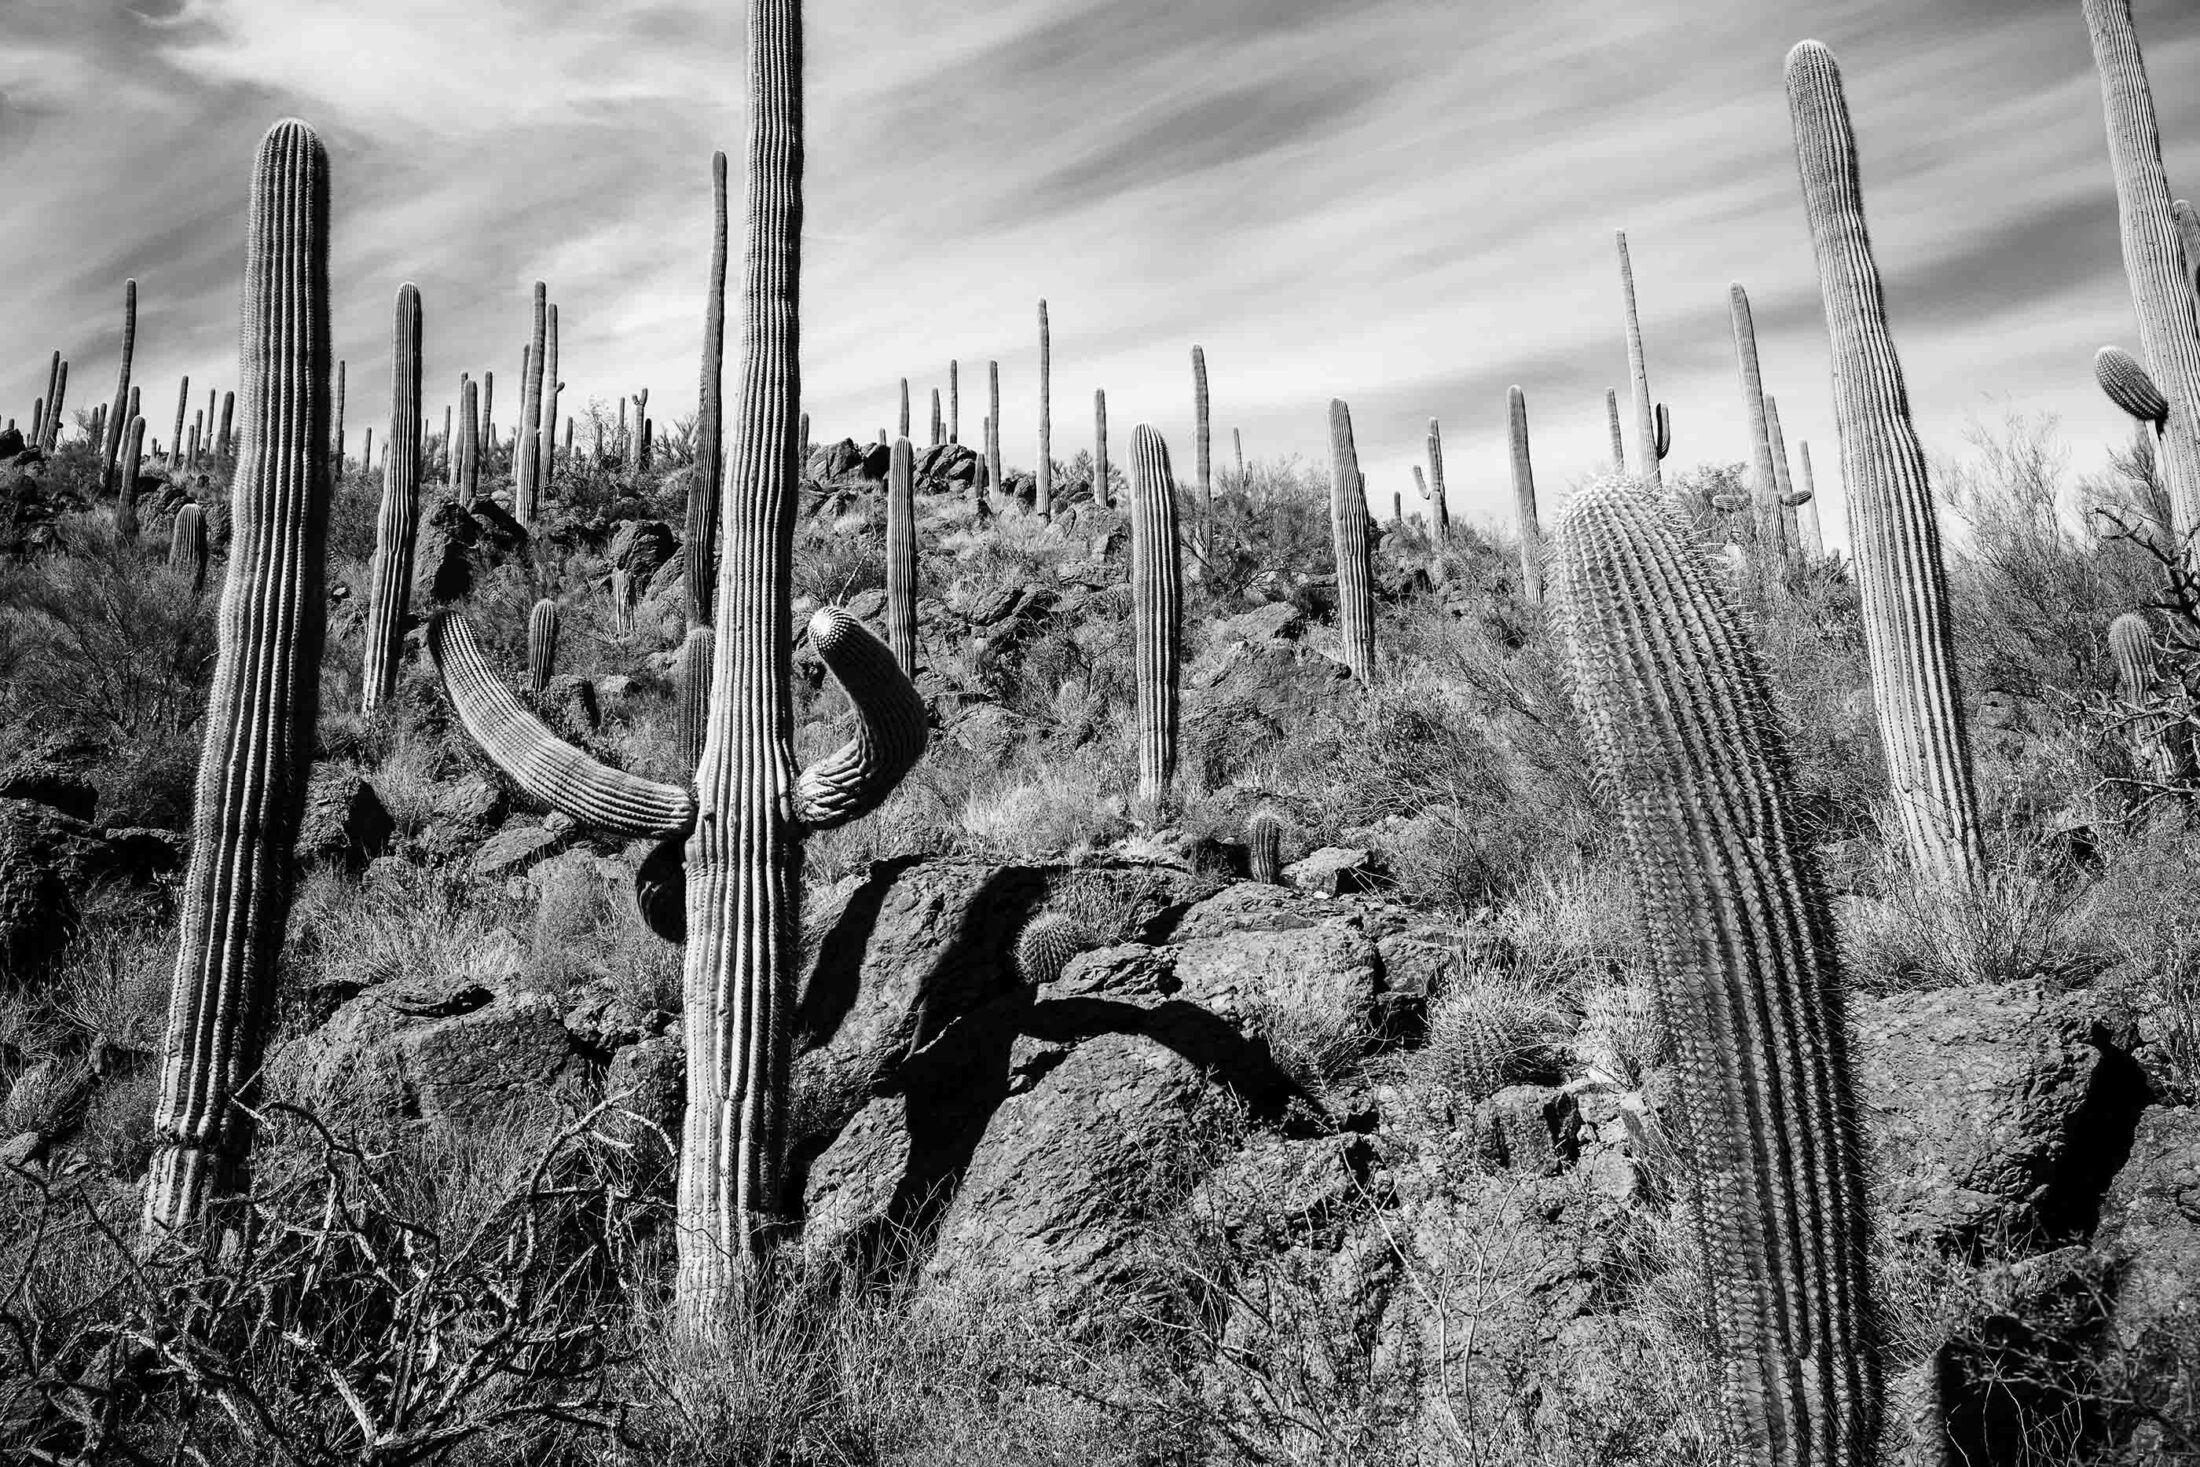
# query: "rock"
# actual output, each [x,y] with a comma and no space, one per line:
[2150,1226]
[1277,1193]
[1278,621]
[1531,1128]
[1995,1111]
[515,850]
[640,547]
[988,730]
[1251,906]
[1320,983]
[345,823]
[47,776]
[445,559]
[1337,871]
[647,1081]
[48,861]
[22,1150]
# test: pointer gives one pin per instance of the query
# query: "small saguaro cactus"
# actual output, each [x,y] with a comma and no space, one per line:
[1619,444]
[1649,421]
[1048,942]
[698,560]
[2162,279]
[126,493]
[1264,846]
[939,420]
[1044,500]
[2131,643]
[1437,502]
[901,556]
[542,644]
[1682,735]
[954,405]
[398,519]
[691,689]
[261,712]
[1352,545]
[1524,513]
[1764,484]
[904,431]
[993,429]
[187,543]
[1102,494]
[2130,386]
[1895,535]
[1201,446]
[1157,613]
[110,442]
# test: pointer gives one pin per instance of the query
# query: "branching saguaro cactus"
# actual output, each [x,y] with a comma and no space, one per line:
[1044,500]
[1895,536]
[745,822]
[698,561]
[542,644]
[1436,499]
[530,411]
[1157,613]
[1764,486]
[1524,513]
[1102,493]
[1350,539]
[126,493]
[1683,736]
[187,541]
[110,442]
[2154,254]
[1649,430]
[1264,846]
[261,712]
[390,577]
[901,556]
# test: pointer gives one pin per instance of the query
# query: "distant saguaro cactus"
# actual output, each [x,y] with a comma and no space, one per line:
[110,441]
[1764,481]
[698,550]
[1351,543]
[901,556]
[469,443]
[2130,386]
[1683,736]
[939,420]
[1814,540]
[1202,447]
[227,448]
[1896,538]
[1044,500]
[1264,846]
[641,431]
[390,578]
[41,417]
[993,429]
[1437,502]
[1649,421]
[546,451]
[542,644]
[1524,513]
[530,410]
[691,689]
[1157,613]
[126,493]
[487,434]
[2162,279]
[1619,444]
[187,547]
[1791,507]
[954,403]
[1048,942]
[260,716]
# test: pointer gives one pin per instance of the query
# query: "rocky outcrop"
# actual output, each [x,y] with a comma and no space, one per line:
[345,823]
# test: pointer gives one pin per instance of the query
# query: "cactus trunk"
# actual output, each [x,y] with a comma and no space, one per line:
[530,410]
[390,579]
[1201,447]
[698,563]
[1764,484]
[993,428]
[1524,514]
[1619,444]
[1102,494]
[260,716]
[126,493]
[1437,503]
[1895,537]
[1157,614]
[1649,432]
[691,689]
[954,405]
[1350,540]
[546,452]
[1683,735]
[1043,499]
[901,557]
[111,441]
[469,443]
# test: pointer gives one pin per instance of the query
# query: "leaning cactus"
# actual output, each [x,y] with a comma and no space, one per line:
[901,556]
[1771,530]
[1044,503]
[542,644]
[1524,514]
[110,441]
[1264,846]
[743,827]
[1048,942]
[1895,537]
[258,740]
[1436,498]
[530,411]
[1157,612]
[187,540]
[399,517]
[2154,255]
[691,689]
[2130,386]
[126,515]
[1649,421]
[698,563]
[1683,736]
[1349,536]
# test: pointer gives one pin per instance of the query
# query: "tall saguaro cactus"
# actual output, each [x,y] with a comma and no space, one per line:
[1157,613]
[1682,734]
[1764,481]
[954,402]
[126,491]
[111,441]
[698,560]
[993,427]
[2162,279]
[1437,501]
[1102,493]
[1044,501]
[530,411]
[261,712]
[901,556]
[1349,535]
[546,451]
[399,517]
[1895,536]
[1524,513]
[1202,446]
[1649,432]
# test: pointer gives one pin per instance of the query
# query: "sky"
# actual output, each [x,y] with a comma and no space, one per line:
[1408,204]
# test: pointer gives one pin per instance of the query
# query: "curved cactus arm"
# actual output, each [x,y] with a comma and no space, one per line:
[856,778]
[1664,431]
[543,764]
[2130,386]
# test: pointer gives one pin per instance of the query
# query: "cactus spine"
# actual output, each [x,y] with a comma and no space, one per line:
[1264,846]
[542,644]
[111,441]
[1895,536]
[1683,735]
[1157,613]
[1350,540]
[1102,492]
[1437,502]
[391,575]
[187,549]
[901,557]
[1650,433]
[126,515]
[1524,515]
[1202,447]
[262,709]
[530,411]
[2162,279]
[1044,501]
[698,563]
[1764,482]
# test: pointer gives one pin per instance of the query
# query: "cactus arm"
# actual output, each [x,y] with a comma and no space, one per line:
[1619,445]
[856,778]
[1664,429]
[1650,440]
[2130,386]
[542,764]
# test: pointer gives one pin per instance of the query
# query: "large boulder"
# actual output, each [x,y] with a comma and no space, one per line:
[48,861]
[344,822]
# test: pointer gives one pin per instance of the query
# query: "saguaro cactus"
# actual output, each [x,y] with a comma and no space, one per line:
[542,644]
[2131,642]
[1895,537]
[126,493]
[1201,446]
[1102,493]
[1791,506]
[1682,734]
[1157,613]
[939,420]
[111,441]
[187,547]
[469,442]
[692,691]
[54,418]
[901,556]
[338,453]
[1524,515]
[530,411]
[1044,500]
[390,577]
[1264,846]
[2130,386]
[1437,502]
[1619,444]
[993,428]
[904,429]
[2162,279]
[546,451]
[641,431]
[227,447]
[1649,427]
[260,715]
[1764,482]
[488,430]
[1349,537]
[954,403]
[40,417]
[698,560]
